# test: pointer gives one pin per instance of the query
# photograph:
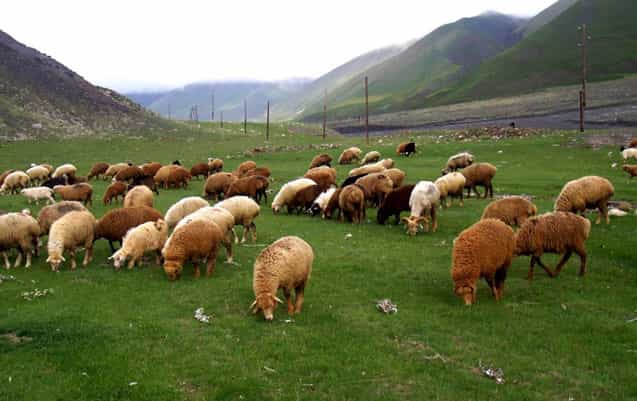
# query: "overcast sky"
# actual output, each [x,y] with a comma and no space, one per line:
[139,44]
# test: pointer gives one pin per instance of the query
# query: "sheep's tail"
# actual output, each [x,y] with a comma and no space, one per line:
[587,228]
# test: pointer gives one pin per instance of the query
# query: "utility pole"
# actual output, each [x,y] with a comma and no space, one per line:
[324,113]
[169,111]
[366,112]
[267,122]
[212,107]
[245,116]
[583,94]
[221,118]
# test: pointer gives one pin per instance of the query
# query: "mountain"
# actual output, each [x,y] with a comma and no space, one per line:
[39,95]
[546,16]
[145,98]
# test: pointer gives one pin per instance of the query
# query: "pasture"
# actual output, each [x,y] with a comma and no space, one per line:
[131,335]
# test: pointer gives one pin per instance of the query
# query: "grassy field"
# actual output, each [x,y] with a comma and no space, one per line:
[131,335]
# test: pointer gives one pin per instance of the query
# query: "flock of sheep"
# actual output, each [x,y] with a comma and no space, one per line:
[193,231]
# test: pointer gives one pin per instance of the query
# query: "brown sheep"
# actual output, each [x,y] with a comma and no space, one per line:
[150,168]
[114,191]
[146,181]
[304,198]
[376,187]
[324,176]
[79,192]
[262,171]
[172,176]
[558,232]
[479,174]
[321,160]
[129,173]
[586,192]
[139,196]
[218,184]
[97,170]
[4,175]
[395,202]
[252,186]
[244,168]
[49,214]
[349,155]
[351,201]
[514,210]
[483,250]
[199,169]
[215,165]
[332,205]
[632,143]
[406,149]
[115,223]
[631,169]
[113,169]
[396,175]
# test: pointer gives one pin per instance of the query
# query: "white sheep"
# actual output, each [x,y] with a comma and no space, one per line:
[71,231]
[423,201]
[371,157]
[288,191]
[150,236]
[451,185]
[21,231]
[183,208]
[38,173]
[14,182]
[629,152]
[458,161]
[244,210]
[66,169]
[320,203]
[37,193]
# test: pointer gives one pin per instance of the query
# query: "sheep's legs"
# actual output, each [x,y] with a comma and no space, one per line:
[72,256]
[212,259]
[196,266]
[131,263]
[28,264]
[500,276]
[158,257]
[288,298]
[491,283]
[603,212]
[228,245]
[299,296]
[7,264]
[562,262]
[18,260]
[88,255]
[246,229]
[253,227]
[536,259]
[234,235]
[582,255]
[110,244]
[434,220]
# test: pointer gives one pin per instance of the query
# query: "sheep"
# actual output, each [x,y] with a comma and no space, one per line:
[288,191]
[4,175]
[396,175]
[321,201]
[586,192]
[395,202]
[150,236]
[351,201]
[195,241]
[97,169]
[262,171]
[150,169]
[514,210]
[115,223]
[458,161]
[406,149]
[483,250]
[349,155]
[629,152]
[14,182]
[244,210]
[51,182]
[252,186]
[172,175]
[221,217]
[183,208]
[139,196]
[218,184]
[366,169]
[304,198]
[113,169]
[324,176]
[215,165]
[68,170]
[376,186]
[200,169]
[285,264]
[69,232]
[321,160]
[37,193]
[49,214]
[479,174]
[114,191]
[371,157]
[631,169]
[79,192]
[21,231]
[556,232]
[76,179]
[423,201]
[46,166]
[332,205]
[244,167]
[351,180]
[451,185]
[129,173]
[145,180]
[632,143]
[38,174]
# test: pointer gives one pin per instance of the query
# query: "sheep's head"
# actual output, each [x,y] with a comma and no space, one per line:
[117,259]
[161,225]
[267,303]
[384,184]
[275,208]
[54,259]
[413,223]
[172,269]
[467,292]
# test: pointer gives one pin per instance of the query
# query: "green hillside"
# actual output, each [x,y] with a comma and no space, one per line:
[545,17]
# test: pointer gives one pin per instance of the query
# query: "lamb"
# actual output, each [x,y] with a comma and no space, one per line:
[376,186]
[244,210]
[244,167]
[139,196]
[324,176]
[557,232]
[514,210]
[285,264]
[150,169]
[423,201]
[115,223]
[252,186]
[200,169]
[97,170]
[71,231]
[172,175]
[262,171]
[145,180]
[288,191]
[629,152]
[321,160]
[21,231]
[451,185]
[113,169]
[49,214]
[150,236]
[215,165]
[351,201]
[406,149]
[38,174]
[218,184]
[129,173]
[51,182]
[37,193]
[183,208]
[304,198]
[631,169]
[458,161]
[586,192]
[79,192]
[349,155]
[479,174]
[371,157]
[320,203]
[68,170]
[395,202]
[114,191]
[483,250]
[396,175]
[221,217]
[15,182]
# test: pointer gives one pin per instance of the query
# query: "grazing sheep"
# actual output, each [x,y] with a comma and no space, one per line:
[366,169]
[479,174]
[115,223]
[351,180]
[113,169]
[196,241]
[68,170]
[371,157]
[49,214]
[458,161]
[221,217]
[129,173]
[514,210]
[37,193]
[14,182]
[304,198]
[586,192]
[46,166]
[252,186]
[324,176]
[288,191]
[631,169]
[244,168]
[451,185]
[332,205]
[51,182]
[97,170]
[76,179]
[396,175]
[557,232]
[483,250]
[215,165]
[349,155]
[262,171]
[395,202]
[376,186]
[321,160]
[351,202]
[139,196]
[20,231]
[218,184]
[629,152]
[4,175]
[69,232]
[150,236]
[38,174]
[406,149]
[150,169]
[114,191]
[632,143]
[321,201]
[172,175]
[285,264]
[423,201]
[244,210]
[200,169]
[79,192]
[145,180]
[183,208]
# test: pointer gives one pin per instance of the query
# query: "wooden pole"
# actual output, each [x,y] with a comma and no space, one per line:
[581,111]
[169,112]
[584,62]
[212,107]
[267,123]
[221,118]
[245,116]
[324,113]
[366,112]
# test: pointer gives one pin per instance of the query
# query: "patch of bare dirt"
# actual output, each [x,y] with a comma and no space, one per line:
[14,339]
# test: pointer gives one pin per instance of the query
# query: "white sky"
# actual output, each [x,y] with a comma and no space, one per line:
[139,44]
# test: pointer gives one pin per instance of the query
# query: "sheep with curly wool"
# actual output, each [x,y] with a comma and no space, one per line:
[129,173]
[18,231]
[483,250]
[38,174]
[458,161]
[288,191]
[351,202]
[82,192]
[349,155]
[114,225]
[147,237]
[14,182]
[479,174]
[115,190]
[49,214]
[451,185]
[557,232]
[513,210]
[586,192]
[423,201]
[395,202]
[183,208]
[371,157]
[139,196]
[324,176]
[218,184]
[321,160]
[631,169]
[71,231]
[245,211]
[285,264]
[98,169]
[68,170]
[215,165]
[37,193]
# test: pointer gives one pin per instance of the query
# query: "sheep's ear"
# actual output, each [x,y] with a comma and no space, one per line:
[404,219]
[277,299]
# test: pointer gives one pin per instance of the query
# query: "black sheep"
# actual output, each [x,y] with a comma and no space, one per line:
[407,149]
[144,180]
[51,182]
[395,202]
[351,180]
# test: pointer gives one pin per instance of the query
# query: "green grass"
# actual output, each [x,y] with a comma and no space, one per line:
[102,330]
